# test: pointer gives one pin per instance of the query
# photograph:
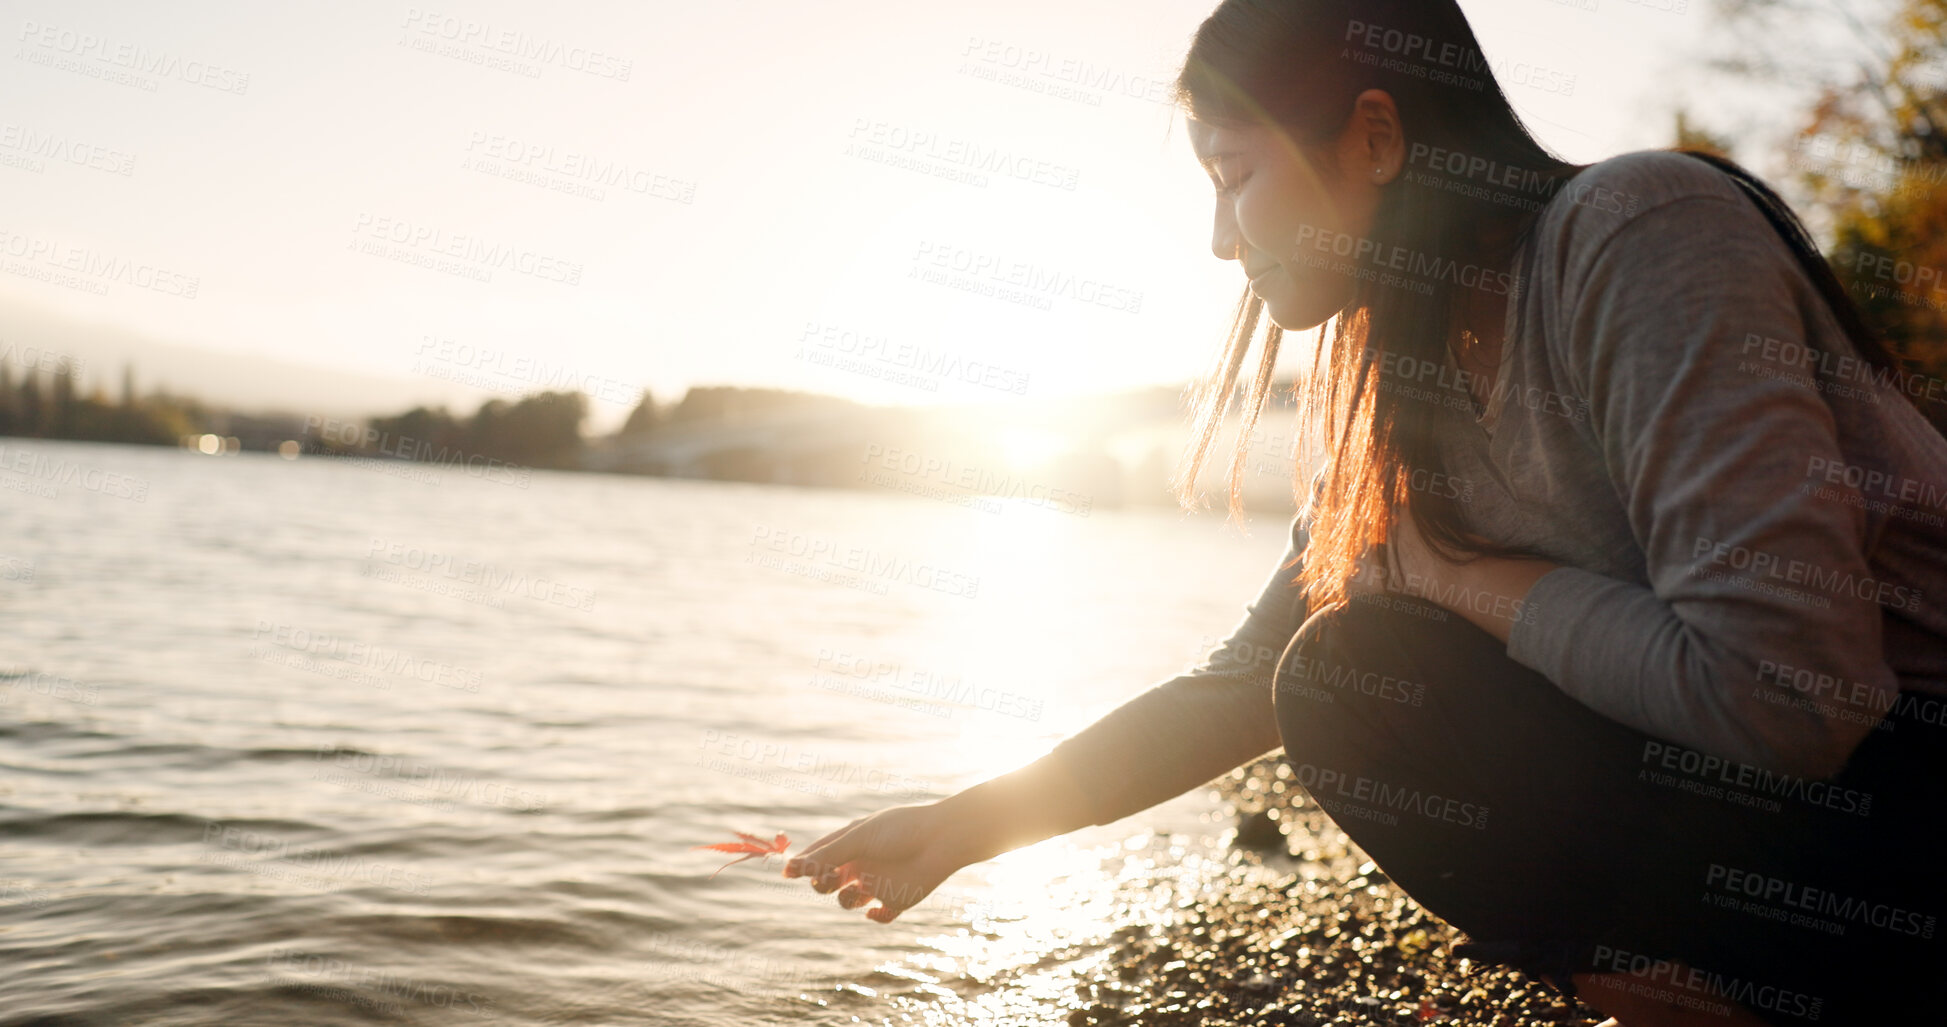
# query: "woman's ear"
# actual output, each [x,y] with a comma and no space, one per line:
[1377,136]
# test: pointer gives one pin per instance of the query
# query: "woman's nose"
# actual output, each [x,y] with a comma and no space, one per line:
[1225,241]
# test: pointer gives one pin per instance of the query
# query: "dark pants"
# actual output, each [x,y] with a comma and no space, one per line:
[1562,841]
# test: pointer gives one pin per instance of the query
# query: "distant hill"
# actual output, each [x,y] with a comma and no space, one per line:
[239,381]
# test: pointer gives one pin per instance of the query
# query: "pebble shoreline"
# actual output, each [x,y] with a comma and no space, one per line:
[1332,942]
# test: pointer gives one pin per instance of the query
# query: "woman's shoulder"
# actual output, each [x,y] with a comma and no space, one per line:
[1610,194]
[1684,210]
[1654,243]
[1658,176]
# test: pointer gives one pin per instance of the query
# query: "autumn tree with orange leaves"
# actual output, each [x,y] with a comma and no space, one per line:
[1869,158]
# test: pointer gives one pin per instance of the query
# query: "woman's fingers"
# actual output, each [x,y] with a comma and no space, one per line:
[810,854]
[894,895]
[823,861]
[834,876]
[888,911]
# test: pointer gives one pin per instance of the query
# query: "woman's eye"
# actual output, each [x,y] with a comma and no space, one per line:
[1231,190]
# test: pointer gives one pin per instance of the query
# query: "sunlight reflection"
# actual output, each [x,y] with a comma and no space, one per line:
[1046,922]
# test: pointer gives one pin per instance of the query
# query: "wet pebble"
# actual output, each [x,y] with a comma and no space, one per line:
[1258,831]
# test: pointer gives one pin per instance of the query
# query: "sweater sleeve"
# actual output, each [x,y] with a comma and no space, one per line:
[1196,726]
[1708,446]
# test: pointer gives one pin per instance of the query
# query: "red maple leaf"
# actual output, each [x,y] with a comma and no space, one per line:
[752,847]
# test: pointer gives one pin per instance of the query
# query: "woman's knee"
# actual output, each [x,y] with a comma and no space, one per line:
[1385,694]
[1370,663]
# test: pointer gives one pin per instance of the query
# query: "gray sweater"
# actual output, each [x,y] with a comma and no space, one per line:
[1752,521]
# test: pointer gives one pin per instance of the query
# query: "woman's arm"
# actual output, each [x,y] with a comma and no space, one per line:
[1158,745]
[1163,742]
[1036,802]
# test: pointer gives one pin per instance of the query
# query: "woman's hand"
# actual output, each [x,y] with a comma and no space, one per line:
[897,855]
[1406,565]
[1489,591]
[1412,565]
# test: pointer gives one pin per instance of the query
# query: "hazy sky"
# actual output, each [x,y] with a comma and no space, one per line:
[664,194]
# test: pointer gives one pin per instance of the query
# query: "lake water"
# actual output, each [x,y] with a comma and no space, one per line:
[315,741]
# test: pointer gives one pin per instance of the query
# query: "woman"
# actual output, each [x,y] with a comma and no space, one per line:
[1611,628]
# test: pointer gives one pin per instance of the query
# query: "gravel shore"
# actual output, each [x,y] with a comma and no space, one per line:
[1334,942]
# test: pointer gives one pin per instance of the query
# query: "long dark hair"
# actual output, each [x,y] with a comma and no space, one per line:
[1297,65]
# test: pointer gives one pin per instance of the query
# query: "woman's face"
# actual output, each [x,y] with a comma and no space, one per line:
[1280,213]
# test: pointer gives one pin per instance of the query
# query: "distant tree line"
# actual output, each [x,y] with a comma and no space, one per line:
[545,429]
[48,406]
[540,430]
[705,403]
